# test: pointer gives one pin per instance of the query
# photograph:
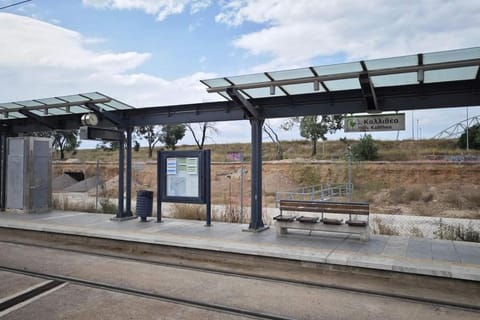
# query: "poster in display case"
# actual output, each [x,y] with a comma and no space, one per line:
[183,177]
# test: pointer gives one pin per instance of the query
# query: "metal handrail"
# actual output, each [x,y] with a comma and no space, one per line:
[318,192]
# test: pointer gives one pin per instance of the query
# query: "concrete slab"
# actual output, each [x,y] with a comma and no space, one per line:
[12,284]
[411,255]
[419,248]
[395,247]
[468,252]
[444,250]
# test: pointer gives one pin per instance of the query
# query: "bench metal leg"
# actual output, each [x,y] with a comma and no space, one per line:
[281,230]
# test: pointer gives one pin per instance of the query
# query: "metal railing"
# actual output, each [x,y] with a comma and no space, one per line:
[320,192]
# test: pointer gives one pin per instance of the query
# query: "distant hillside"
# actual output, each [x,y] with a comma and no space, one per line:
[404,150]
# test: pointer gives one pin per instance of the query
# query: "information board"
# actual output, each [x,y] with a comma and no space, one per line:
[182,177]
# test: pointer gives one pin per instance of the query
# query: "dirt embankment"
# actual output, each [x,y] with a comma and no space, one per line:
[421,188]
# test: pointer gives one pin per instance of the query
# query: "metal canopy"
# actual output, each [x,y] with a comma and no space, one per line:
[44,110]
[367,76]
[422,81]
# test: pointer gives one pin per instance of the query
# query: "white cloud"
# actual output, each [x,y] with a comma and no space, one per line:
[199,5]
[161,9]
[45,60]
[295,32]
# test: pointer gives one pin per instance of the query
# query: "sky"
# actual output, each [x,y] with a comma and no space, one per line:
[154,52]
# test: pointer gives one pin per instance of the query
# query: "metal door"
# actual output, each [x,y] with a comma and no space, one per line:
[15,173]
[40,175]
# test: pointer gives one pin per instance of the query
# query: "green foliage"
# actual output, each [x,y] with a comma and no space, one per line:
[366,149]
[473,138]
[171,134]
[316,127]
[64,141]
[152,134]
[107,206]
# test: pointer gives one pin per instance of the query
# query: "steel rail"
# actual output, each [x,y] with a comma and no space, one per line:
[145,294]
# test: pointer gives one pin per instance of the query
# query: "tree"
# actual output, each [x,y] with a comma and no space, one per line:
[473,138]
[267,128]
[366,149]
[152,134]
[316,127]
[171,134]
[65,141]
[203,128]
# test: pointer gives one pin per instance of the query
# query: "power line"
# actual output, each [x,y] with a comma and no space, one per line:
[14,4]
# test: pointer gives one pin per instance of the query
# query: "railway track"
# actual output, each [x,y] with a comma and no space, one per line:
[55,280]
[435,302]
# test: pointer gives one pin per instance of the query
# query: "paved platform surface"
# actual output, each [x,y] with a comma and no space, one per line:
[443,258]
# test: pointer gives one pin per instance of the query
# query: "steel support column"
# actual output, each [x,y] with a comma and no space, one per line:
[3,172]
[121,175]
[256,222]
[128,207]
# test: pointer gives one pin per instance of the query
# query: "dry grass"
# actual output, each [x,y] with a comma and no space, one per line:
[188,211]
[329,150]
[409,194]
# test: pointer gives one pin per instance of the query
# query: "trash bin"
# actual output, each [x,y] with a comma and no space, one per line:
[144,204]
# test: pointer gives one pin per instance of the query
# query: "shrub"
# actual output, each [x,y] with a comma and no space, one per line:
[366,149]
[107,206]
[457,232]
[473,138]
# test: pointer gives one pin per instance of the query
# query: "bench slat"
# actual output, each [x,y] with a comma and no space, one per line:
[354,208]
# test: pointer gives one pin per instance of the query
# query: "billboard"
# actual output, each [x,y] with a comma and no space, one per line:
[380,122]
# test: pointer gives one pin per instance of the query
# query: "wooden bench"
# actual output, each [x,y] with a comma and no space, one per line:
[324,221]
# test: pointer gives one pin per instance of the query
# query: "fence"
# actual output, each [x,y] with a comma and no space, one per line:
[319,192]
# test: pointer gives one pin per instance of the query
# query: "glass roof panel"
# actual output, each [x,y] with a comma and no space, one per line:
[77,109]
[57,111]
[9,105]
[453,74]
[74,98]
[452,55]
[338,68]
[105,107]
[29,103]
[94,95]
[343,84]
[291,74]
[118,105]
[15,115]
[50,101]
[398,79]
[263,92]
[388,63]
[249,78]
[301,88]
[219,82]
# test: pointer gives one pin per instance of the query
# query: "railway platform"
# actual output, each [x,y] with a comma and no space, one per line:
[437,258]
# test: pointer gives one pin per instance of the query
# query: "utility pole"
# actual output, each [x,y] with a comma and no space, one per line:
[467,131]
[418,128]
[413,127]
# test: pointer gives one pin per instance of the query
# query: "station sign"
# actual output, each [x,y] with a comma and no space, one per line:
[379,122]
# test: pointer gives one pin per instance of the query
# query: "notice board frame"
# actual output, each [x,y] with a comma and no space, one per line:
[204,185]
